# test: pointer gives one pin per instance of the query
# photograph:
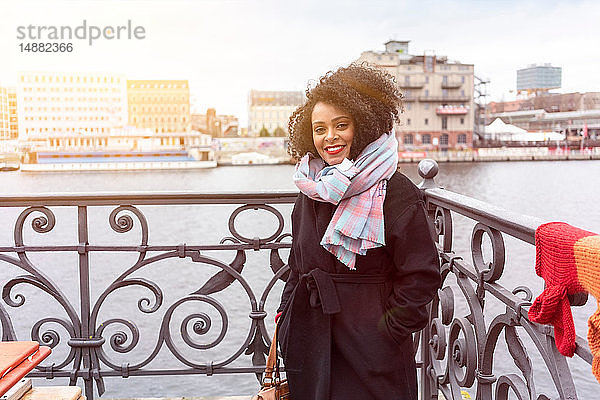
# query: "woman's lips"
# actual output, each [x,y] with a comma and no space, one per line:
[334,149]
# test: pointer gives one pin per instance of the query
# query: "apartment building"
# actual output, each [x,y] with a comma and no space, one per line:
[162,106]
[12,113]
[64,104]
[4,114]
[438,97]
[271,110]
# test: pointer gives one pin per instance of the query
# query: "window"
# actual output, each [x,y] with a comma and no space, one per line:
[444,92]
[407,80]
[444,122]
[444,139]
[408,139]
[462,139]
[426,106]
[426,138]
[408,106]
[426,121]
[407,121]
[462,79]
[462,121]
[462,93]
[426,79]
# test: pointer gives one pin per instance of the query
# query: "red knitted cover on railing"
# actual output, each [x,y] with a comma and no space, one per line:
[568,259]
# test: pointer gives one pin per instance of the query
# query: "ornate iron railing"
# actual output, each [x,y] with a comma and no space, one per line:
[456,352]
[82,328]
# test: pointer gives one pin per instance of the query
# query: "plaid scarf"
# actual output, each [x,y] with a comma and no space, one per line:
[358,188]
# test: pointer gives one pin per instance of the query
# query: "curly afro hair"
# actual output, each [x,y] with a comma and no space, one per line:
[369,95]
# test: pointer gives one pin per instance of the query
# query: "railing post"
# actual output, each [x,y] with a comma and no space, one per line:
[428,169]
[84,296]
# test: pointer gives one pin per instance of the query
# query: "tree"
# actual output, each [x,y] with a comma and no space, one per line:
[264,132]
[279,132]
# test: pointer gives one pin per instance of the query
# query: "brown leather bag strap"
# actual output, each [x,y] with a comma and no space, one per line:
[272,359]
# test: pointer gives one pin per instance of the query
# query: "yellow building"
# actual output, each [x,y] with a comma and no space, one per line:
[159,105]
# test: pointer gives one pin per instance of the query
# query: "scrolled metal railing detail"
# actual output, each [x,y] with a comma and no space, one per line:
[457,347]
[256,241]
[275,259]
[41,224]
[51,337]
[443,227]
[202,324]
[460,349]
[223,279]
[493,270]
[94,345]
[124,223]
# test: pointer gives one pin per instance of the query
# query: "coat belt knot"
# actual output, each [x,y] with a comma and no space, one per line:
[322,291]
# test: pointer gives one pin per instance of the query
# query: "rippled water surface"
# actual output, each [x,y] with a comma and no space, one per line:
[565,191]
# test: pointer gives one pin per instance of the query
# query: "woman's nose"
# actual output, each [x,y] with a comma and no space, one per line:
[331,135]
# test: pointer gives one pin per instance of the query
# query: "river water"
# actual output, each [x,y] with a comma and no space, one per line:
[554,191]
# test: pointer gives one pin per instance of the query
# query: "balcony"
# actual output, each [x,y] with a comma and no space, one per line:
[451,110]
[412,84]
[452,83]
[447,98]
[172,326]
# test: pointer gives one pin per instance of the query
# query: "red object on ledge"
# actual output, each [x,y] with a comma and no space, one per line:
[17,359]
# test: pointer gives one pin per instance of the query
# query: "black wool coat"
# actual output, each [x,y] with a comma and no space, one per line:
[346,334]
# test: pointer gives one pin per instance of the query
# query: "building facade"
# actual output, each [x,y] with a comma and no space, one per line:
[13,113]
[271,110]
[567,113]
[216,125]
[57,104]
[4,114]
[538,78]
[438,97]
[549,102]
[162,106]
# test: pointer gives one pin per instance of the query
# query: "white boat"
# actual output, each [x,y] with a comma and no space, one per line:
[119,151]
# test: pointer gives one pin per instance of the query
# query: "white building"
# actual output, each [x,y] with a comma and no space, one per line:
[57,104]
[271,110]
[4,114]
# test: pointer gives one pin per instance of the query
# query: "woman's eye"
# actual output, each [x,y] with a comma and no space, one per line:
[342,125]
[320,130]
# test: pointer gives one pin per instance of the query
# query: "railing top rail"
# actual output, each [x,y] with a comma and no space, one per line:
[146,198]
[514,224]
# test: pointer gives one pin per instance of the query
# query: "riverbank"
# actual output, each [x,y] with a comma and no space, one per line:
[501,154]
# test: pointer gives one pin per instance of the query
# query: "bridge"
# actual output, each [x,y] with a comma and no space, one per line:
[221,322]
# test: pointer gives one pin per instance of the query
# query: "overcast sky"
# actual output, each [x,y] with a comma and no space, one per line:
[227,47]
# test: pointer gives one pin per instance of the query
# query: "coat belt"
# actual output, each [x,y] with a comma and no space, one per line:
[322,291]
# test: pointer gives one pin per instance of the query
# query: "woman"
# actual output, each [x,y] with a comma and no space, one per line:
[363,265]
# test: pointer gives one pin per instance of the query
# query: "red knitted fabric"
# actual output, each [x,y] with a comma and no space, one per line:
[555,262]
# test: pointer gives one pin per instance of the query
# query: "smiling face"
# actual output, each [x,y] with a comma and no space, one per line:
[333,131]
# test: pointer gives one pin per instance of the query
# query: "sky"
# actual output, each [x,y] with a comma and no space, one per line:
[224,48]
